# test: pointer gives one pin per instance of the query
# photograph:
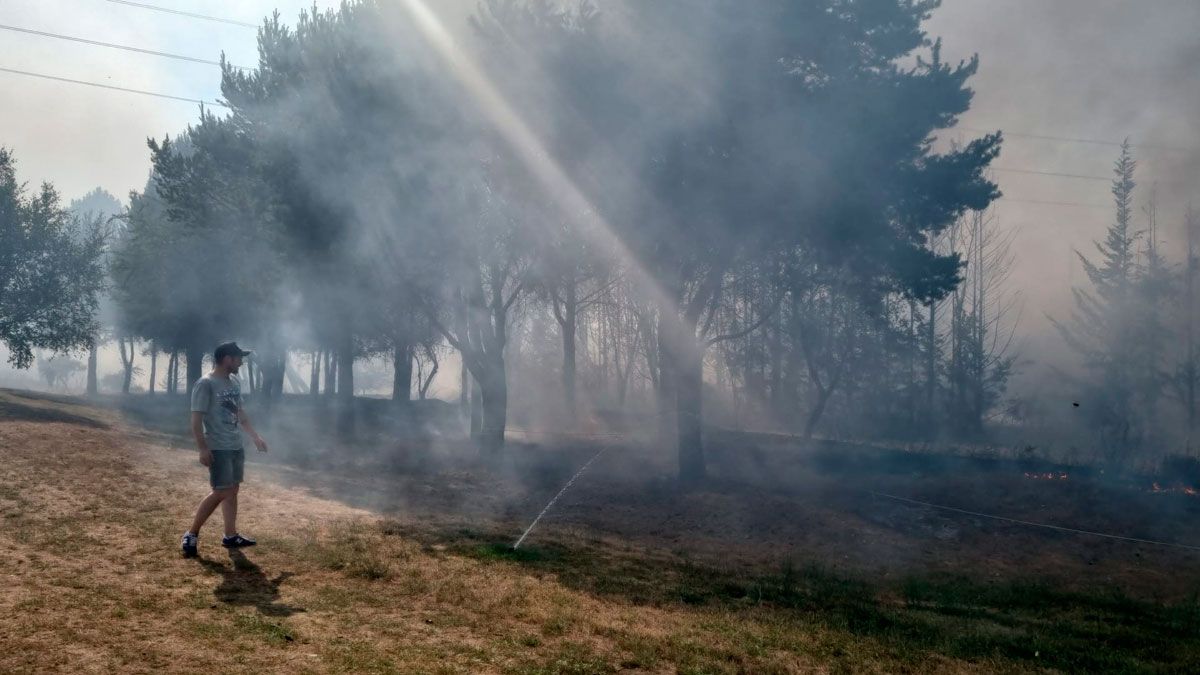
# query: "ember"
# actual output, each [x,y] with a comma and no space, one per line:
[1155,487]
[1049,475]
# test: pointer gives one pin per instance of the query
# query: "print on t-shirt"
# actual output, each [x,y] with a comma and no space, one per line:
[229,404]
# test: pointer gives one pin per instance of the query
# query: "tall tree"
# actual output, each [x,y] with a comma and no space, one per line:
[51,272]
[199,262]
[346,121]
[100,205]
[1103,329]
[855,181]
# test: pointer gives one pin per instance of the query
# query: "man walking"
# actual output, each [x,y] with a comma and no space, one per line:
[217,418]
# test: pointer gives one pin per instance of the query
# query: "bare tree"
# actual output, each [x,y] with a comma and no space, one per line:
[983,320]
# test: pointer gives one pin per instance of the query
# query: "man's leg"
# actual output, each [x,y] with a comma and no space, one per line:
[229,510]
[208,505]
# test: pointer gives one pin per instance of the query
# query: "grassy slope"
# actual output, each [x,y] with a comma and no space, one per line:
[90,513]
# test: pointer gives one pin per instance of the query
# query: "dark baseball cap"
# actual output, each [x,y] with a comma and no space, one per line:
[229,349]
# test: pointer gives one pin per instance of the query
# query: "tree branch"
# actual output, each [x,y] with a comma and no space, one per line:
[766,316]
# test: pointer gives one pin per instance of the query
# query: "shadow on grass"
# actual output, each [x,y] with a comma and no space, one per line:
[246,584]
[1030,624]
[13,411]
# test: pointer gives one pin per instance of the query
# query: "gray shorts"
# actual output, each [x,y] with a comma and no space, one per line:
[227,468]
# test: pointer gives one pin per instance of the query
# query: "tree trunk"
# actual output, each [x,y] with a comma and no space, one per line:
[169,382]
[775,382]
[423,385]
[402,373]
[689,402]
[195,364]
[330,374]
[92,387]
[464,386]
[126,363]
[476,409]
[280,374]
[314,375]
[271,373]
[568,364]
[493,388]
[345,390]
[153,367]
[666,388]
[931,371]
[814,415]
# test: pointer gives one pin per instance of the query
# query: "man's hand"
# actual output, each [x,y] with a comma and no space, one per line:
[206,457]
[260,443]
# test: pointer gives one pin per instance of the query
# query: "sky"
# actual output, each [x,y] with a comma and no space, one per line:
[1082,69]
[1099,70]
[82,137]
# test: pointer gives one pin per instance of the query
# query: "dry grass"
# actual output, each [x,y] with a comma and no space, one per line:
[90,513]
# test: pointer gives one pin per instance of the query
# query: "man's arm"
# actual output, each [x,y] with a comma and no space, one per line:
[258,440]
[198,432]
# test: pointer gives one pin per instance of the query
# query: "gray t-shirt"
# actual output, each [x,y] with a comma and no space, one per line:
[220,399]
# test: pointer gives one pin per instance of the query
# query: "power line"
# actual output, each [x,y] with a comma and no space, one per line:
[1017,134]
[110,45]
[1054,203]
[112,87]
[192,15]
[1039,136]
[216,103]
[1050,173]
[1063,139]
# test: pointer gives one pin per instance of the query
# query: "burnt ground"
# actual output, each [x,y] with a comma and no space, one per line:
[762,508]
[768,502]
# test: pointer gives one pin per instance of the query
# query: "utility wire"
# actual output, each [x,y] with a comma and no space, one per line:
[1039,136]
[192,15]
[1029,523]
[112,87]
[216,63]
[1062,139]
[1018,134]
[1054,203]
[110,45]
[1050,173]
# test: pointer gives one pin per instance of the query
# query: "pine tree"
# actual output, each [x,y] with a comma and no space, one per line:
[1106,327]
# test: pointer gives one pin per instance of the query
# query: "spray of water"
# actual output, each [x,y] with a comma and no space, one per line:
[560,494]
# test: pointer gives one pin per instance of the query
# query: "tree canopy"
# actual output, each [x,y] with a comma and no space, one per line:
[50,270]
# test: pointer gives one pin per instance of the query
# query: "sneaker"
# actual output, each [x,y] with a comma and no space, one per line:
[188,545]
[237,541]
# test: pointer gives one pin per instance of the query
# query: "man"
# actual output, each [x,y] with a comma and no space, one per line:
[217,419]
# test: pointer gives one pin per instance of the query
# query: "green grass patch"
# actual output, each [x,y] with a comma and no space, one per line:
[272,632]
[357,656]
[569,658]
[354,551]
[498,551]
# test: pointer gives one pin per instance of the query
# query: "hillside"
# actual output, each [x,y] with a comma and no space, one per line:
[92,507]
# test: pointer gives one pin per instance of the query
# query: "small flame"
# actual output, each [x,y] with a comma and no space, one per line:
[1187,490]
[1049,475]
